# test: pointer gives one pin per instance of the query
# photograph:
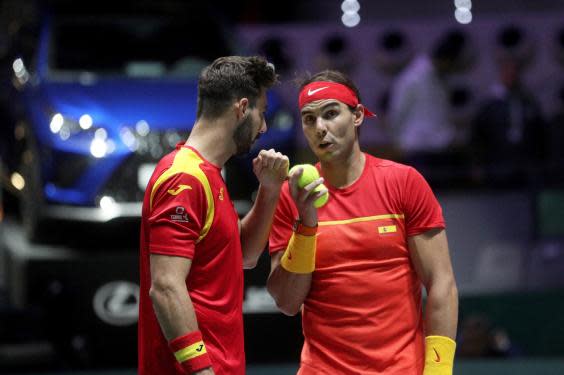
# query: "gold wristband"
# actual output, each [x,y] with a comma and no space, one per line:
[439,355]
[299,256]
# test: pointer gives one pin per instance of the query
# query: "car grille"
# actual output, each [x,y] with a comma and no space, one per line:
[123,186]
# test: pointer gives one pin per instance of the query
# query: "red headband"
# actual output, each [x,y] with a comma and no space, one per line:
[330,90]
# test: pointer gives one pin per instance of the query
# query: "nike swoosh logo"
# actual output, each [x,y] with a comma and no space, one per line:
[200,348]
[310,92]
[438,359]
[179,189]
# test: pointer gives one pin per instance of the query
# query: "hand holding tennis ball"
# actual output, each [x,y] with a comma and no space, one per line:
[310,174]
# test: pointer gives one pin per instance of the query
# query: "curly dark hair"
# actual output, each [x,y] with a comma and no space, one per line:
[232,78]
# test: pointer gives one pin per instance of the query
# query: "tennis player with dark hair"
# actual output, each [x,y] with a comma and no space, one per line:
[193,247]
[356,266]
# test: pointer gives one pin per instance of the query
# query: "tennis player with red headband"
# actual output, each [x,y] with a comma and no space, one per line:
[357,264]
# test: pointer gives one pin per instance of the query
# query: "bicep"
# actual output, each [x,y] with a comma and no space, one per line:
[430,255]
[169,268]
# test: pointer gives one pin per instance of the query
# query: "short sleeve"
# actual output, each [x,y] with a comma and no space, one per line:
[282,225]
[177,216]
[422,210]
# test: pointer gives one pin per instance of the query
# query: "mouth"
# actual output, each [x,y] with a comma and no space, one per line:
[324,145]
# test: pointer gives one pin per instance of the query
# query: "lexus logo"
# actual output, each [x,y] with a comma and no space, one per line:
[117,303]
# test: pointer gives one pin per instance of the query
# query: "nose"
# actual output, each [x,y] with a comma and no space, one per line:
[263,127]
[320,127]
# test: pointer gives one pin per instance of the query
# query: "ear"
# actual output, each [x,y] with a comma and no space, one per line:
[358,115]
[241,107]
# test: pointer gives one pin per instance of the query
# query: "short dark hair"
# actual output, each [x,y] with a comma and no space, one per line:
[232,78]
[330,76]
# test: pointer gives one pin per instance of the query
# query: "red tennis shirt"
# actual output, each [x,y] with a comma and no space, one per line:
[187,213]
[363,313]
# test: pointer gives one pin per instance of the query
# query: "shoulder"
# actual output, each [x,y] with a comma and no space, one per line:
[393,174]
[387,167]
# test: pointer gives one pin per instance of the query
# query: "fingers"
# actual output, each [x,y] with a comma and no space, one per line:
[271,168]
[257,166]
[307,195]
[273,160]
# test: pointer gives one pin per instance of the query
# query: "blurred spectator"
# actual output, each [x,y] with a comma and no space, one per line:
[336,54]
[509,131]
[393,51]
[479,338]
[275,51]
[419,104]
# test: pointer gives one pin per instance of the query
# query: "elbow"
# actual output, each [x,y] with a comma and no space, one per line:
[249,263]
[446,291]
[286,306]
[160,289]
[288,309]
[451,288]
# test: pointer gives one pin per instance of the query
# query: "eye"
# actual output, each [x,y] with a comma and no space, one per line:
[331,114]
[308,119]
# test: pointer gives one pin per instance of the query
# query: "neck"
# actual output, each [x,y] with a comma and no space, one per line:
[341,173]
[213,139]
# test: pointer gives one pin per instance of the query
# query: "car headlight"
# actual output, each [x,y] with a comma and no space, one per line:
[66,127]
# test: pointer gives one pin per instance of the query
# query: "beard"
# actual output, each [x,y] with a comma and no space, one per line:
[243,136]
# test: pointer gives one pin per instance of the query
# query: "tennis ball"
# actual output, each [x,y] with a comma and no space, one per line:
[320,202]
[309,174]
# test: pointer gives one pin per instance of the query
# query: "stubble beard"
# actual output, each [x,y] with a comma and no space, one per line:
[243,136]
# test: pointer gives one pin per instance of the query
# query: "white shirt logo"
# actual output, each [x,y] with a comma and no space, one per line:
[310,92]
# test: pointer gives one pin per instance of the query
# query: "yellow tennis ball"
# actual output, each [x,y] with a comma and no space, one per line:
[309,174]
[320,202]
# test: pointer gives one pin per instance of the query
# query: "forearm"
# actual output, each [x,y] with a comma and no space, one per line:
[255,226]
[441,311]
[288,289]
[174,310]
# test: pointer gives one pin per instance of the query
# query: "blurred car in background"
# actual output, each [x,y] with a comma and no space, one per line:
[99,97]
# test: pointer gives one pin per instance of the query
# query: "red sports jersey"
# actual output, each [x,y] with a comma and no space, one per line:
[187,213]
[363,312]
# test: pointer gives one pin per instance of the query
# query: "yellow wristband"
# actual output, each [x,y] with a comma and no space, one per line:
[439,355]
[299,256]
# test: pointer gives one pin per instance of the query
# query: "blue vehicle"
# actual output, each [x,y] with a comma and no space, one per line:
[101,98]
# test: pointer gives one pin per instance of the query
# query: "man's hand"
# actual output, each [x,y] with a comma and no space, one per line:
[271,168]
[304,198]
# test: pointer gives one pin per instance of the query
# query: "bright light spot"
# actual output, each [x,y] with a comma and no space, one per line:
[463,4]
[85,121]
[107,203]
[129,139]
[111,146]
[65,133]
[350,19]
[98,148]
[17,180]
[463,15]
[142,128]
[18,66]
[283,121]
[56,123]
[350,6]
[101,134]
